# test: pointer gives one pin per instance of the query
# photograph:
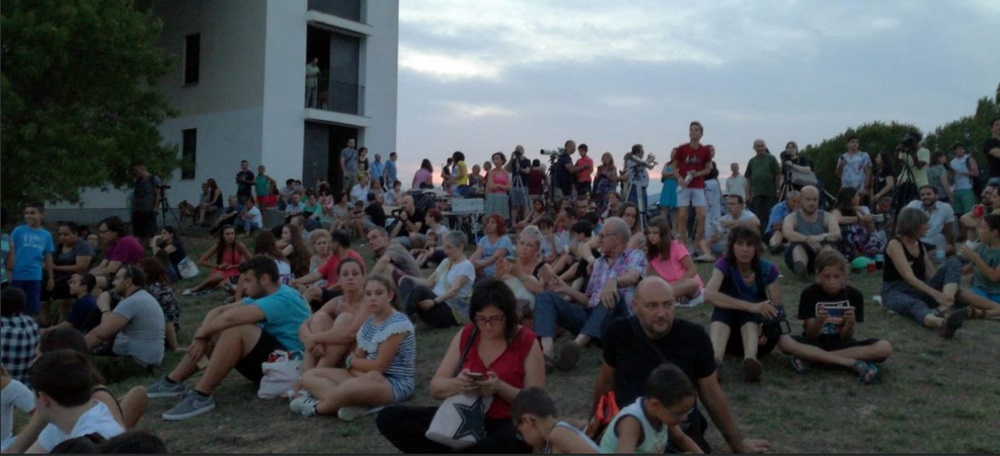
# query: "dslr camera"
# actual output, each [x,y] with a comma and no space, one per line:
[908,144]
[551,153]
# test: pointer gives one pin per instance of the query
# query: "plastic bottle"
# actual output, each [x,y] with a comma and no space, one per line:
[879,261]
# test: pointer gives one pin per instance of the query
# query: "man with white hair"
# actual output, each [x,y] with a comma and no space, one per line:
[608,295]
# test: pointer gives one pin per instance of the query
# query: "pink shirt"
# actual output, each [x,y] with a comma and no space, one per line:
[671,268]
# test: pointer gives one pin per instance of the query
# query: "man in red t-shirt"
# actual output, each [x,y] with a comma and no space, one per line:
[582,170]
[694,162]
[340,250]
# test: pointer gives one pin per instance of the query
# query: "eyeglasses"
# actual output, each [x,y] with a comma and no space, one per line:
[682,417]
[496,319]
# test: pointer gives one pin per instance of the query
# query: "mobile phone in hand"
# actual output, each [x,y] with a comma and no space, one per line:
[475,376]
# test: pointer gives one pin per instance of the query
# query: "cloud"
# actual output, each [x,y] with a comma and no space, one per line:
[446,67]
[464,110]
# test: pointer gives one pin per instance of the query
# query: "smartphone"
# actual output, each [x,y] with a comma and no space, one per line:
[475,376]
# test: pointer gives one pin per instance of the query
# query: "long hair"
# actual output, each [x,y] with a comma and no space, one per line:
[747,235]
[299,258]
[845,201]
[621,212]
[220,245]
[266,246]
[662,250]
[389,285]
[426,164]
[154,271]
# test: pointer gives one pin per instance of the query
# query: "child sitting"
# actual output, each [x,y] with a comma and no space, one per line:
[534,414]
[830,309]
[379,372]
[12,394]
[431,253]
[648,425]
[83,314]
[985,269]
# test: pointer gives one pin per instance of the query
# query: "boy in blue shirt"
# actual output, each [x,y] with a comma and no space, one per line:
[32,246]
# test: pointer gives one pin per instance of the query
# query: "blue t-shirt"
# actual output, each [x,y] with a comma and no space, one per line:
[30,247]
[80,310]
[769,273]
[503,242]
[284,312]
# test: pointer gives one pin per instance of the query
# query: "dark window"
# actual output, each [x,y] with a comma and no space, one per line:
[189,153]
[347,9]
[192,58]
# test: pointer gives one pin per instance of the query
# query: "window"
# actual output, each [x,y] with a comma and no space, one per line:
[189,153]
[192,58]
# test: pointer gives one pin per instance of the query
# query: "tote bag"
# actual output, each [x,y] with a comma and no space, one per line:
[460,421]
[187,268]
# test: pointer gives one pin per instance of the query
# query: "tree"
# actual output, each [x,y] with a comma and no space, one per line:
[970,131]
[874,137]
[80,98]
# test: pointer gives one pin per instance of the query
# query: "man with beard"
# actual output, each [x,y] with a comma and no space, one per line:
[629,357]
[970,221]
[808,230]
[941,233]
[394,260]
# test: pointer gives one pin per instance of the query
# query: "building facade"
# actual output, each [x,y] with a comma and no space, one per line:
[241,88]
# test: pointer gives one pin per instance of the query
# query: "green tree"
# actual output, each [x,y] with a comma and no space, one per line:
[970,131]
[875,137]
[80,100]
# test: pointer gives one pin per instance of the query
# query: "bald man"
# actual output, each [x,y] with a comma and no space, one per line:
[409,229]
[808,230]
[629,358]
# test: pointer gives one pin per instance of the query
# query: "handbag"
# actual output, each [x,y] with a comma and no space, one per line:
[803,178]
[460,421]
[281,371]
[187,268]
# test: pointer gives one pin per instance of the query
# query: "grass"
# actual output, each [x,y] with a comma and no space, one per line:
[935,396]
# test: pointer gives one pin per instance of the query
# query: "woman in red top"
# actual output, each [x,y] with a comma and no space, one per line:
[229,255]
[497,186]
[505,355]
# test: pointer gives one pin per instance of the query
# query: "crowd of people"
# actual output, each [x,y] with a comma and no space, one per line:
[583,262]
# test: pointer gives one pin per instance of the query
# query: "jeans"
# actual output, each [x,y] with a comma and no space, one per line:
[33,292]
[552,310]
[404,427]
[439,316]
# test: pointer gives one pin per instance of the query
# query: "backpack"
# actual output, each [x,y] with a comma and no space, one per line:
[979,182]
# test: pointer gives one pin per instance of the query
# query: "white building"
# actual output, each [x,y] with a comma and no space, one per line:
[240,88]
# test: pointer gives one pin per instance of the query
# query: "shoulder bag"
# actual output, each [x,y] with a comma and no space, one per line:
[460,421]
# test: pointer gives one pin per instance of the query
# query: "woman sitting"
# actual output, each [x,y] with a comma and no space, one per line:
[670,259]
[329,333]
[526,275]
[857,226]
[211,200]
[229,255]
[319,244]
[169,247]
[447,303]
[744,290]
[913,287]
[379,371]
[537,212]
[492,247]
[158,285]
[630,214]
[500,358]
[293,247]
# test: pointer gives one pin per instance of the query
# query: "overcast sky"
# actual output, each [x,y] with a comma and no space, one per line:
[483,76]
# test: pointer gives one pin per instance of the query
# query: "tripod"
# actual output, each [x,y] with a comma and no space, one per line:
[165,209]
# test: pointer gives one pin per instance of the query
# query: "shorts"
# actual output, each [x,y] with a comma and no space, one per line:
[834,343]
[583,188]
[964,200]
[810,254]
[143,223]
[517,197]
[992,297]
[735,319]
[691,197]
[249,365]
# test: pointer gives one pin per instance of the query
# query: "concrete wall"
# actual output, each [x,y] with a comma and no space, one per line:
[380,76]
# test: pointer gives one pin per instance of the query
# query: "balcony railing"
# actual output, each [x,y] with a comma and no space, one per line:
[336,96]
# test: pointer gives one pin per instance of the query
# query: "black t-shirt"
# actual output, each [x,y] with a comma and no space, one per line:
[521,165]
[882,174]
[417,217]
[564,179]
[714,173]
[243,188]
[376,213]
[686,345]
[988,145]
[814,294]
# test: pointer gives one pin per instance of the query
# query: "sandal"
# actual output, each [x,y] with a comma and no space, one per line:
[953,319]
[752,370]
[867,372]
[975,313]
[800,365]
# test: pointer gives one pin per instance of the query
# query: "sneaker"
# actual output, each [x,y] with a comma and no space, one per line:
[352,413]
[186,292]
[692,302]
[296,404]
[308,406]
[163,388]
[567,356]
[191,406]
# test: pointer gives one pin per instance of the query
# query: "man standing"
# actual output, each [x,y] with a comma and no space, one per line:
[390,170]
[244,182]
[563,172]
[608,295]
[349,165]
[33,247]
[737,184]
[964,168]
[262,185]
[764,175]
[737,216]
[629,357]
[940,234]
[694,162]
[637,169]
[854,168]
[582,170]
[237,336]
[312,83]
[519,167]
[136,324]
[808,230]
[145,199]
[377,171]
[991,147]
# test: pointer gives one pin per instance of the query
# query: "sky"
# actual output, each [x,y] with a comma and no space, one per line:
[484,76]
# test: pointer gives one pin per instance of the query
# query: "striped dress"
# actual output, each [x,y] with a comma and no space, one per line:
[403,366]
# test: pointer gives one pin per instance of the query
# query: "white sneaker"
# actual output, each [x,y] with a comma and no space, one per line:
[186,292]
[695,301]
[352,413]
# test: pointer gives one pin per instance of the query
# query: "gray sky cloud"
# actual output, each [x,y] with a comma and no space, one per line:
[486,75]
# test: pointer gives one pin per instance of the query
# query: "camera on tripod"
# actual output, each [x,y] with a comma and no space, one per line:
[163,186]
[552,153]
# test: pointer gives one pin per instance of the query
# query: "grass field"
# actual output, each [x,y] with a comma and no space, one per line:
[935,396]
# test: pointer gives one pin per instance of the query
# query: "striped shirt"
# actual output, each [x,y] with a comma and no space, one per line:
[371,335]
[628,260]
